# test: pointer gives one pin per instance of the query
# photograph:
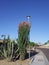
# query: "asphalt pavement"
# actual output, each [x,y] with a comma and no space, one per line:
[39,59]
[45,51]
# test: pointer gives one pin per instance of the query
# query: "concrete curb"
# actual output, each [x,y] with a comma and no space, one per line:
[39,59]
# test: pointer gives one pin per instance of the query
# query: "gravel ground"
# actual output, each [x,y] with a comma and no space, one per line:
[18,62]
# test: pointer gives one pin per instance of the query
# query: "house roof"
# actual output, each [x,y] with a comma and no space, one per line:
[1,41]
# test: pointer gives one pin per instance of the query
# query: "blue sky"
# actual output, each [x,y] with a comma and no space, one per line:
[12,12]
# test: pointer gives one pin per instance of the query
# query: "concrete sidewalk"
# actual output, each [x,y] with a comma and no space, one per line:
[39,59]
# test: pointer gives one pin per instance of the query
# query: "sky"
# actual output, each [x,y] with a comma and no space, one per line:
[12,12]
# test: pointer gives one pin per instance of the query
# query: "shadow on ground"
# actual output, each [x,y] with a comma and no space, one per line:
[32,53]
[2,58]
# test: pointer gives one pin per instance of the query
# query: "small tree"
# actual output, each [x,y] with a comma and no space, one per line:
[23,38]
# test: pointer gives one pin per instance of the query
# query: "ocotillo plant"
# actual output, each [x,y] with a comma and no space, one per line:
[23,38]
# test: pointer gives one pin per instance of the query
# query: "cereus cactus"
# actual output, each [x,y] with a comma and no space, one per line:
[23,38]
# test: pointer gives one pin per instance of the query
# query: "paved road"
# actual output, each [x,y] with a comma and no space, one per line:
[45,51]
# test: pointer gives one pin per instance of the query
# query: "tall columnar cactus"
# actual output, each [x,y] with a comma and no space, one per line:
[23,38]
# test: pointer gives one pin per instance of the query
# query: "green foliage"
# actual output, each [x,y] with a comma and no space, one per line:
[9,49]
[4,46]
[33,44]
[46,42]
